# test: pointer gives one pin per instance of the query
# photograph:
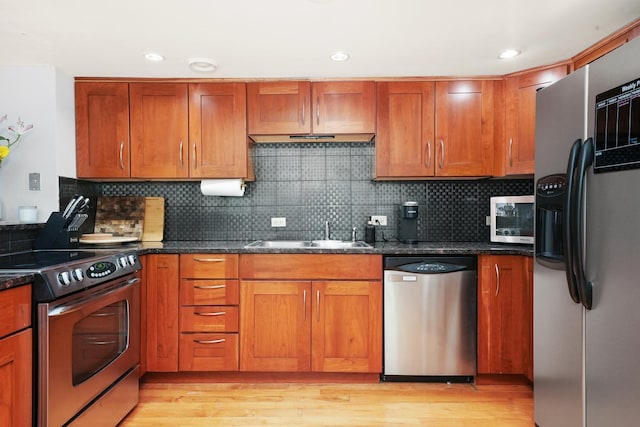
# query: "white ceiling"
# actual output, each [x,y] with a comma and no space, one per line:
[294,38]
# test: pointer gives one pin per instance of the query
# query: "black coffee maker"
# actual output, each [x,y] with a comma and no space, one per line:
[408,223]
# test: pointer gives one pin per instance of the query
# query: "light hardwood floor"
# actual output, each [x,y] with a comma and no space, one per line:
[293,404]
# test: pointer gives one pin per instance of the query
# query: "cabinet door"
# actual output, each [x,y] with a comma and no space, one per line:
[15,379]
[405,129]
[346,326]
[275,331]
[464,128]
[343,107]
[520,117]
[102,130]
[282,107]
[162,313]
[528,316]
[217,130]
[502,315]
[159,130]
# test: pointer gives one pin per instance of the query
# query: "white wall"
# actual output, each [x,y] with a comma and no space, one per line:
[42,96]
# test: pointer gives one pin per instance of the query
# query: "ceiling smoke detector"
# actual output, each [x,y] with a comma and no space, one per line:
[202,65]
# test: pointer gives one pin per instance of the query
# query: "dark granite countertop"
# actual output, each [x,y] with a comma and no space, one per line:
[381,248]
[8,281]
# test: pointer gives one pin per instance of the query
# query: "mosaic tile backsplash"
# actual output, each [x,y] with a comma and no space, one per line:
[309,184]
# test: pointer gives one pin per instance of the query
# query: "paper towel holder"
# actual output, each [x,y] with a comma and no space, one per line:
[223,187]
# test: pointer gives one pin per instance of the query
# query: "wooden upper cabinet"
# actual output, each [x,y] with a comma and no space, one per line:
[282,107]
[102,130]
[430,129]
[405,134]
[464,128]
[343,107]
[217,130]
[299,107]
[159,130]
[517,153]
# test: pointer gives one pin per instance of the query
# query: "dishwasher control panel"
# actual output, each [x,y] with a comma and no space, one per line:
[430,264]
[430,267]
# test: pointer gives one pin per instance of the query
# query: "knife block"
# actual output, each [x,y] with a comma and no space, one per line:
[55,235]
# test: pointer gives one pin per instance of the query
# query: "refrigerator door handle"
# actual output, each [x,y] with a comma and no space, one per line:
[585,288]
[568,221]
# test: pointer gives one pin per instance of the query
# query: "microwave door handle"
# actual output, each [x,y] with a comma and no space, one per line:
[585,288]
[568,222]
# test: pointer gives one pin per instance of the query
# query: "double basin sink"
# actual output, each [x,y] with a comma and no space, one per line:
[308,244]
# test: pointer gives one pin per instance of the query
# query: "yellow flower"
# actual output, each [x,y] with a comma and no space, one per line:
[18,130]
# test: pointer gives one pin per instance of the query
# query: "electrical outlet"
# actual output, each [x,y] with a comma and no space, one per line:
[34,181]
[379,219]
[278,222]
[487,220]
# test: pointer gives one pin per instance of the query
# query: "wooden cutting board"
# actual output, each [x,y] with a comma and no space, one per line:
[153,230]
[121,216]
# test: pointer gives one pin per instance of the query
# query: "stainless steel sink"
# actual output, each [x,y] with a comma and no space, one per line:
[308,244]
[279,244]
[338,244]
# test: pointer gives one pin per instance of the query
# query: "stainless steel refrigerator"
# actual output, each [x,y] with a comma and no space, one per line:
[587,269]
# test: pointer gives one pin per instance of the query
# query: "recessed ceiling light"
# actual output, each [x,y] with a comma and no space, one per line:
[202,65]
[155,57]
[509,53]
[340,56]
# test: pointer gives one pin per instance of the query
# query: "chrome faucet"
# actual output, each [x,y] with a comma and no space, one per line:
[327,230]
[354,232]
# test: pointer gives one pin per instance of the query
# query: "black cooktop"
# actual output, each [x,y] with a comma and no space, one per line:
[41,259]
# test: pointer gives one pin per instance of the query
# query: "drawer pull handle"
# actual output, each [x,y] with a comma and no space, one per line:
[209,286]
[221,340]
[304,305]
[215,313]
[209,259]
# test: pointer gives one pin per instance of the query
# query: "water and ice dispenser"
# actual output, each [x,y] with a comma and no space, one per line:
[550,201]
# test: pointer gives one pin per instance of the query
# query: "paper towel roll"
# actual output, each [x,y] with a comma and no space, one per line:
[222,187]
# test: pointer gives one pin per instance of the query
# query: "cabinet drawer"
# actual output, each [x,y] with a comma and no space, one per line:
[311,266]
[16,309]
[209,318]
[208,352]
[209,266]
[209,292]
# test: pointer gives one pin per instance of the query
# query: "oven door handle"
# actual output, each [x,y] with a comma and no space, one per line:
[80,303]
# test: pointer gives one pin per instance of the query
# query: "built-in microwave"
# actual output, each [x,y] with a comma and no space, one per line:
[512,219]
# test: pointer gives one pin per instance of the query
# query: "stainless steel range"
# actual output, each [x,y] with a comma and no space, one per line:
[87,334]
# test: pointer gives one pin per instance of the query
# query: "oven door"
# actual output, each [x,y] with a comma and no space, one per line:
[87,342]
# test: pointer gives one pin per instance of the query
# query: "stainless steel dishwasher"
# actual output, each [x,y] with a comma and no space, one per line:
[430,318]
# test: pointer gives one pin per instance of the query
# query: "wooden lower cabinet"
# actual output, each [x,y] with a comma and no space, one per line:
[318,326]
[275,326]
[296,316]
[209,313]
[15,357]
[346,328]
[505,321]
[161,305]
